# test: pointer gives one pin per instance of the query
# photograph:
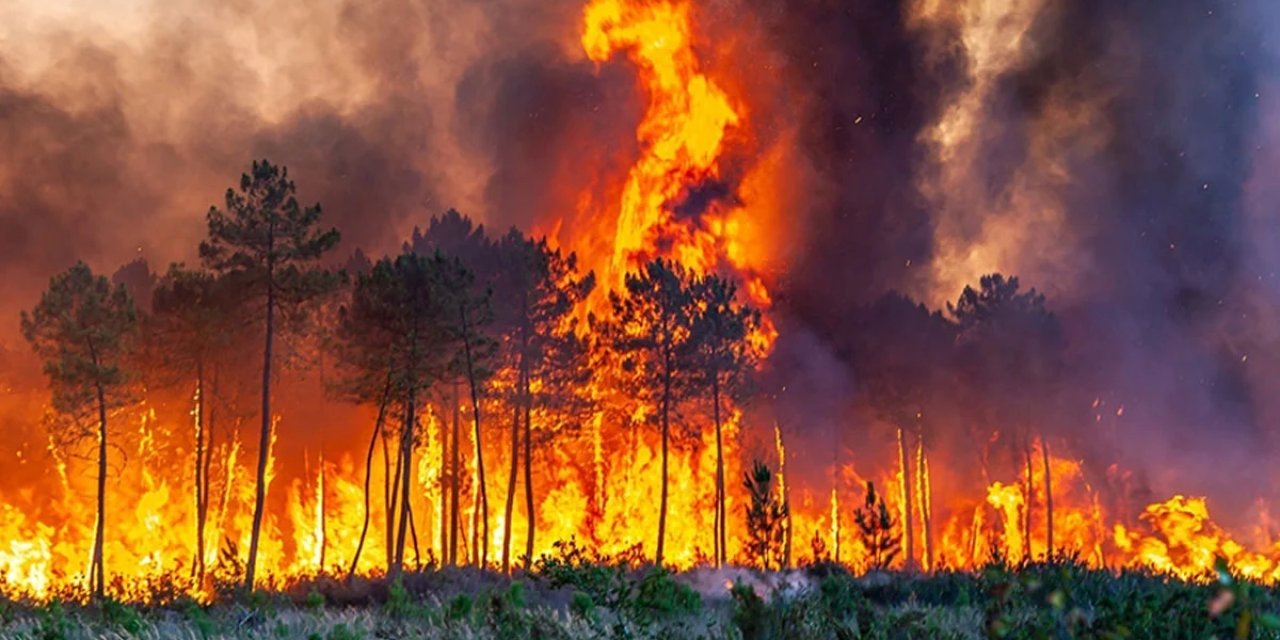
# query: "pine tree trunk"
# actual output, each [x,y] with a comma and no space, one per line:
[413,535]
[531,513]
[908,511]
[1030,501]
[368,475]
[264,440]
[721,550]
[455,481]
[390,480]
[405,466]
[483,530]
[99,562]
[925,496]
[511,485]
[666,430]
[202,515]
[198,565]
[1048,499]
[324,522]
[444,491]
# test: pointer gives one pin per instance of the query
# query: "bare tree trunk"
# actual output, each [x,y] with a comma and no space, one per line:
[925,496]
[666,429]
[264,440]
[1048,499]
[531,513]
[324,522]
[202,514]
[455,481]
[720,537]
[908,511]
[406,471]
[511,479]
[444,491]
[99,562]
[198,565]
[413,535]
[368,474]
[1030,501]
[483,557]
[390,488]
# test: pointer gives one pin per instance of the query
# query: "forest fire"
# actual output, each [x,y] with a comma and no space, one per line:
[613,387]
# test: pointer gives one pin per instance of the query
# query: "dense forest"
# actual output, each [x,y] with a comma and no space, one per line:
[506,348]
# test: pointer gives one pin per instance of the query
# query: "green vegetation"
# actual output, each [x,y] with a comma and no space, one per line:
[572,594]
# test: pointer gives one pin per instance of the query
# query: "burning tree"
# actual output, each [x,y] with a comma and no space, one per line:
[469,313]
[766,518]
[268,245]
[538,290]
[395,341]
[457,237]
[1011,347]
[192,323]
[722,355]
[904,354]
[81,328]
[651,331]
[364,347]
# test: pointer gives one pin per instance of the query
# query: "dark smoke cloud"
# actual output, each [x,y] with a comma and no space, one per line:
[1148,260]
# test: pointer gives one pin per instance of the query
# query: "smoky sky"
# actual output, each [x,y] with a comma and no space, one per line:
[1138,124]
[1151,258]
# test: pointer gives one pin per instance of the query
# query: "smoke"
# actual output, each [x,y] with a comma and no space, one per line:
[122,123]
[1111,154]
[1100,150]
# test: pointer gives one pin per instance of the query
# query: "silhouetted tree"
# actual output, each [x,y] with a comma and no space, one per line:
[766,518]
[82,329]
[138,280]
[455,236]
[651,331]
[269,245]
[470,312]
[1012,350]
[722,328]
[904,355]
[395,339]
[365,353]
[536,292]
[877,530]
[191,328]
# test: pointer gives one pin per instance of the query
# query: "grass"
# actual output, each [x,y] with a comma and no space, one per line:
[571,595]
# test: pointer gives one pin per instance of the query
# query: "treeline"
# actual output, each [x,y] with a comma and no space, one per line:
[512,329]
[455,313]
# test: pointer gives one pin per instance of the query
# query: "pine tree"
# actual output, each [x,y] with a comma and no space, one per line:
[82,329]
[878,530]
[722,356]
[536,292]
[191,326]
[651,332]
[268,245]
[766,518]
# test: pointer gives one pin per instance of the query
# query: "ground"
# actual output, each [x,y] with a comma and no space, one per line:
[578,599]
